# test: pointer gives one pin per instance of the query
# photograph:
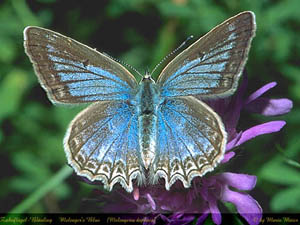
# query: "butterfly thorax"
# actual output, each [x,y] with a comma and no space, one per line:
[148,101]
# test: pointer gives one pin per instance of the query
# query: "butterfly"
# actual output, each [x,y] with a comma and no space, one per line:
[137,133]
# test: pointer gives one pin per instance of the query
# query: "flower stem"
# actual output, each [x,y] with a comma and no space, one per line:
[55,180]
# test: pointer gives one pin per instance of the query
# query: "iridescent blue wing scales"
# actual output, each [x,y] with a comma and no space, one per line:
[71,72]
[192,137]
[102,144]
[191,141]
[211,67]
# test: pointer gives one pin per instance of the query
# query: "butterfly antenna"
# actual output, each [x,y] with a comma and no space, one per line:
[172,53]
[123,63]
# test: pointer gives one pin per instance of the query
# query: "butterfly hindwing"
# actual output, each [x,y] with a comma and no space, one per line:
[102,144]
[71,72]
[191,140]
[211,66]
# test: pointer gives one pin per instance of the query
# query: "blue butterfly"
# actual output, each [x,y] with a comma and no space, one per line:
[140,132]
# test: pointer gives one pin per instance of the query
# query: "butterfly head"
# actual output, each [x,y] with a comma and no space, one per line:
[147,77]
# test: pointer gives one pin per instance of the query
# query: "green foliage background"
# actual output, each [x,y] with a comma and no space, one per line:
[34,177]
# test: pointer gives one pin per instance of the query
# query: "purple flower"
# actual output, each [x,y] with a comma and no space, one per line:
[218,188]
[205,193]
[230,108]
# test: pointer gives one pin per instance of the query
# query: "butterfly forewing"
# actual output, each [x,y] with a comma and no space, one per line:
[102,144]
[211,67]
[72,72]
[191,140]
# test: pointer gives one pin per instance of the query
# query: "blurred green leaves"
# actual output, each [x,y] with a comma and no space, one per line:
[8,50]
[53,183]
[293,74]
[33,175]
[12,89]
[283,170]
[278,172]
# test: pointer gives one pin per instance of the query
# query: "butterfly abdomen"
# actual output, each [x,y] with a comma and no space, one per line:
[147,119]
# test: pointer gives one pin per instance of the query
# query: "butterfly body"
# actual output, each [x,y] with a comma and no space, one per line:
[138,133]
[147,106]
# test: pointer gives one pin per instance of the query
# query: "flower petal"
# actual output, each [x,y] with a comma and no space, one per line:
[227,157]
[247,206]
[232,143]
[270,107]
[180,218]
[164,218]
[232,112]
[215,212]
[240,181]
[265,128]
[136,194]
[217,218]
[177,218]
[260,92]
[151,201]
[201,219]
